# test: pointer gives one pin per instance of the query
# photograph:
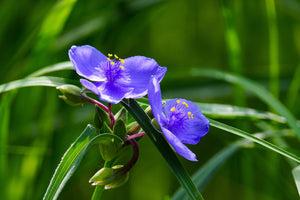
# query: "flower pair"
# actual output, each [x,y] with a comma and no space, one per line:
[113,79]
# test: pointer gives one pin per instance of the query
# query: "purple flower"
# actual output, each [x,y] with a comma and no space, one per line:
[181,121]
[114,78]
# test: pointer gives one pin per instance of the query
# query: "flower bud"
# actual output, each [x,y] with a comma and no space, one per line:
[121,115]
[110,148]
[110,177]
[148,111]
[71,94]
[100,117]
[155,124]
[120,128]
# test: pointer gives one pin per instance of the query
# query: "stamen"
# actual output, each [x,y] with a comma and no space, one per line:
[112,63]
[189,113]
[172,109]
[178,101]
[121,60]
[109,55]
[122,67]
[109,59]
[192,116]
[184,103]
[116,56]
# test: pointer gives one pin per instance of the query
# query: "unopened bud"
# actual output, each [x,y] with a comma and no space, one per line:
[71,94]
[120,128]
[100,117]
[110,177]
[149,112]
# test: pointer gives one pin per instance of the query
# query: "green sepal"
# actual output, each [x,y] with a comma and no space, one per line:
[100,117]
[121,115]
[110,148]
[120,128]
[105,128]
[110,177]
[71,94]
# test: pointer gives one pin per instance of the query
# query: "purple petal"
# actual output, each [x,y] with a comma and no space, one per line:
[154,96]
[140,69]
[193,128]
[86,61]
[178,146]
[90,86]
[111,93]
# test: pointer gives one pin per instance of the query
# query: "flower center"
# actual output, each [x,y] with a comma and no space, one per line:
[179,115]
[114,70]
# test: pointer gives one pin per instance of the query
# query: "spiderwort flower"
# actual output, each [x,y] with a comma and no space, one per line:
[181,121]
[114,78]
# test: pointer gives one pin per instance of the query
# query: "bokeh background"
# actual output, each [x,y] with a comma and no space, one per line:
[257,39]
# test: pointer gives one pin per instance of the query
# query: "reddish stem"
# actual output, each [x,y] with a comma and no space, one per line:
[134,157]
[112,119]
[107,109]
[131,137]
[134,130]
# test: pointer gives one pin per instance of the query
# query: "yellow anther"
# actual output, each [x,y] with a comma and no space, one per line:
[122,67]
[185,104]
[109,55]
[121,60]
[116,56]
[178,101]
[112,63]
[192,116]
[172,109]
[189,113]
[109,59]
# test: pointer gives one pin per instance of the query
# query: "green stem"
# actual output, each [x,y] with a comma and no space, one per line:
[98,192]
[248,136]
[100,188]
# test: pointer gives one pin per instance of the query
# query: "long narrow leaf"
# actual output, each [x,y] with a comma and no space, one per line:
[296,174]
[250,137]
[161,144]
[71,159]
[35,81]
[52,68]
[257,89]
[229,111]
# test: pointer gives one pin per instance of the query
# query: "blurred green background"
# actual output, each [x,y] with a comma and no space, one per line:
[258,39]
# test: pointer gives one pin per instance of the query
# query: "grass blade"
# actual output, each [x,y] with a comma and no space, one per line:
[250,137]
[256,89]
[52,68]
[35,81]
[233,112]
[71,159]
[296,174]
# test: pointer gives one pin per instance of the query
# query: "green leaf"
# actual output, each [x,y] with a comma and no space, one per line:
[35,81]
[206,172]
[161,144]
[53,68]
[72,158]
[296,174]
[255,88]
[250,137]
[229,111]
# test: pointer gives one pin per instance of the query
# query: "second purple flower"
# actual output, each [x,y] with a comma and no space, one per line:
[113,78]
